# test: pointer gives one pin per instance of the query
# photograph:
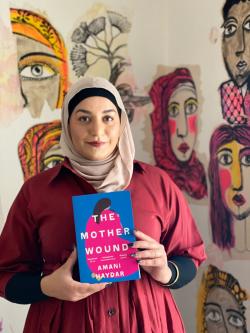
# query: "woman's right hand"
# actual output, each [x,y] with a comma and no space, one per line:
[61,285]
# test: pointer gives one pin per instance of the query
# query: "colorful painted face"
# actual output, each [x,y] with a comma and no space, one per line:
[95,128]
[223,312]
[52,157]
[182,119]
[234,174]
[236,42]
[39,71]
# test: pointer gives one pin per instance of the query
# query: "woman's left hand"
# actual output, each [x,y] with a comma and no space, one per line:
[152,257]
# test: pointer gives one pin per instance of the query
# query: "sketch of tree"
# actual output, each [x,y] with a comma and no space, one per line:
[103,39]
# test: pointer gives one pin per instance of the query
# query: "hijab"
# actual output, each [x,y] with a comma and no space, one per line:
[115,172]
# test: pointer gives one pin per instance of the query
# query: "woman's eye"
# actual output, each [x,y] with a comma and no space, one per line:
[225,159]
[245,160]
[84,119]
[247,26]
[213,316]
[236,321]
[173,110]
[37,72]
[229,30]
[190,108]
[107,119]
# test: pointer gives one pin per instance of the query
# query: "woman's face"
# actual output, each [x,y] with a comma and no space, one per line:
[234,174]
[182,119]
[95,128]
[223,313]
[39,71]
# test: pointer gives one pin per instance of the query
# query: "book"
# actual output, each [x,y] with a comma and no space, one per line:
[104,228]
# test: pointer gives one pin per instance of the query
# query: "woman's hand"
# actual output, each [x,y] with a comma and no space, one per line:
[61,285]
[152,257]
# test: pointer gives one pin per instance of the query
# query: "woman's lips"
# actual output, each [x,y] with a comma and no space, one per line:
[96,144]
[238,200]
[184,147]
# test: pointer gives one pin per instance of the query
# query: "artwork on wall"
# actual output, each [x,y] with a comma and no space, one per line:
[174,126]
[10,98]
[39,149]
[102,43]
[42,61]
[220,303]
[229,175]
[235,93]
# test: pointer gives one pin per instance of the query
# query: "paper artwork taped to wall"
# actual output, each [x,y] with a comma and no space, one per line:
[101,44]
[174,125]
[42,61]
[10,99]
[220,305]
[235,93]
[39,149]
[229,175]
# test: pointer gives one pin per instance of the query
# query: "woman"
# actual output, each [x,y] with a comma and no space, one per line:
[174,128]
[97,141]
[230,187]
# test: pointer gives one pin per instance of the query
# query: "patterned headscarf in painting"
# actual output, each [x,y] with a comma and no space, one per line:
[34,146]
[189,175]
[33,26]
[115,172]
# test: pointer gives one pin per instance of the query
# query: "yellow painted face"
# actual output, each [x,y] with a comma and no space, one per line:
[234,174]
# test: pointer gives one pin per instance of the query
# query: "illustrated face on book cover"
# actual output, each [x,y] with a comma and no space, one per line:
[104,220]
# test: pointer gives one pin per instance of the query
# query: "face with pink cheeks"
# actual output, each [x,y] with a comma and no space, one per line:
[182,120]
[234,175]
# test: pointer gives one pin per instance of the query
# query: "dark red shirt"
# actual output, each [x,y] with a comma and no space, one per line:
[39,236]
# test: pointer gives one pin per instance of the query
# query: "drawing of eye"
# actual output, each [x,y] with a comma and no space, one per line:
[51,161]
[229,29]
[225,158]
[37,71]
[214,316]
[236,321]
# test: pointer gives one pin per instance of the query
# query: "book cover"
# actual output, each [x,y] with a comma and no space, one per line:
[104,228]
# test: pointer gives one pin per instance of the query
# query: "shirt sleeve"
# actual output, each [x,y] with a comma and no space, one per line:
[180,234]
[19,242]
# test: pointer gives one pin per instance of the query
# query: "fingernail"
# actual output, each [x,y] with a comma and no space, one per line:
[130,244]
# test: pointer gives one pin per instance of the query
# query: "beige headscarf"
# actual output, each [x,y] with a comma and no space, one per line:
[115,172]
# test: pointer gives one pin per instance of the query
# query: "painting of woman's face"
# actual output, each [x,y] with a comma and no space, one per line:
[236,42]
[52,157]
[182,121]
[234,175]
[223,313]
[39,72]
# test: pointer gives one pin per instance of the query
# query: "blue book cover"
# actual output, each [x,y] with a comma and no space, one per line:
[104,228]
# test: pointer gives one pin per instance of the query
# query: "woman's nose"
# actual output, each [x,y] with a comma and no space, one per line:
[97,127]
